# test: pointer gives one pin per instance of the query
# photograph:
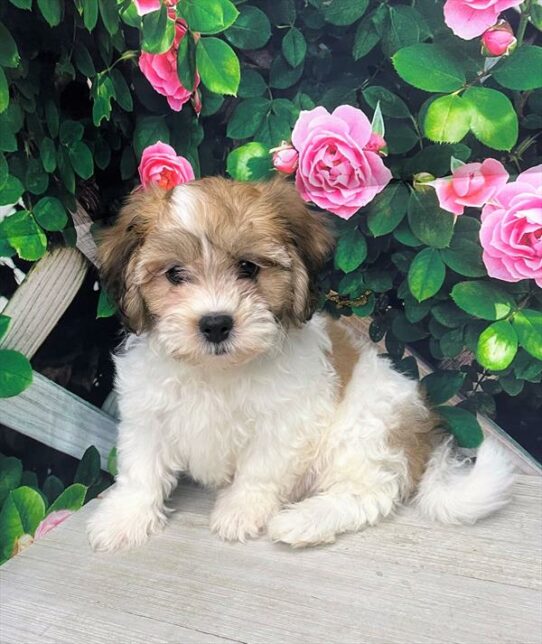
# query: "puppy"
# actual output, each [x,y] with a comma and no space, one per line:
[229,377]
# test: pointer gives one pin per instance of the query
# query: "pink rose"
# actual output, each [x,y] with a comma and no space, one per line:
[498,40]
[285,158]
[161,71]
[51,521]
[147,6]
[161,165]
[511,232]
[473,184]
[470,18]
[335,170]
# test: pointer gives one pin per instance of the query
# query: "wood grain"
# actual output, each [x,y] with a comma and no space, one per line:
[54,416]
[403,581]
[38,304]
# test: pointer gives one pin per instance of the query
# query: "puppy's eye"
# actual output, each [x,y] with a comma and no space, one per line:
[247,269]
[176,275]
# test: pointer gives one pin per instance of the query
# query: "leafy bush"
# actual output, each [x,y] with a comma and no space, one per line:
[76,113]
[28,512]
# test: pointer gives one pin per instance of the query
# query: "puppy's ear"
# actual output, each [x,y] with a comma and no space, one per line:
[118,248]
[310,241]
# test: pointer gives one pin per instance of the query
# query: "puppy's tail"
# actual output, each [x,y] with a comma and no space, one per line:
[457,491]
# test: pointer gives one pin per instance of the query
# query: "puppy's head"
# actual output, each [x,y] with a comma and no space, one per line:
[215,269]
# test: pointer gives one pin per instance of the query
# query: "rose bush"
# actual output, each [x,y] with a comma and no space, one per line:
[421,149]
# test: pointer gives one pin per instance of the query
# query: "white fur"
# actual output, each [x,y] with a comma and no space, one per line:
[270,433]
[454,491]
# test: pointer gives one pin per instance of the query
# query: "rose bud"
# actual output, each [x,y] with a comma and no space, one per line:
[376,144]
[285,158]
[422,181]
[498,40]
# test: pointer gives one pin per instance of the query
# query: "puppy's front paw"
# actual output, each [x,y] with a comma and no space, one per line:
[299,527]
[118,525]
[238,517]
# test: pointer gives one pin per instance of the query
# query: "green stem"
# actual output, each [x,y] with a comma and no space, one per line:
[523,21]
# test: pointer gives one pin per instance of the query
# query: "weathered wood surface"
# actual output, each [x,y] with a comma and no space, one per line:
[523,461]
[37,305]
[54,416]
[404,581]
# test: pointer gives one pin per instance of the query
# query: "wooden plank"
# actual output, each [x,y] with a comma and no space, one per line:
[54,416]
[402,581]
[42,298]
[524,462]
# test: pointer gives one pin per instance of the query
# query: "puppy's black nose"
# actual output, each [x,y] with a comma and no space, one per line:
[216,328]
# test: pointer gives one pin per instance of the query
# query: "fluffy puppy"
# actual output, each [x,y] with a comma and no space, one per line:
[228,377]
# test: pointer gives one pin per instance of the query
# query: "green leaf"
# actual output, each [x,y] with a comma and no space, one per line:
[4,91]
[208,16]
[22,4]
[90,13]
[521,70]
[186,62]
[72,499]
[429,67]
[251,30]
[390,104]
[366,309]
[528,326]
[71,131]
[252,84]
[11,191]
[21,513]
[123,95]
[88,470]
[404,28]
[52,118]
[24,235]
[482,299]
[51,10]
[52,488]
[366,37]
[149,130]
[84,61]
[81,159]
[9,54]
[442,385]
[281,75]
[463,425]
[294,47]
[106,306]
[247,117]
[48,154]
[464,257]
[249,162]
[109,11]
[344,12]
[36,179]
[406,331]
[112,462]
[65,169]
[15,373]
[431,224]
[158,31]
[351,251]
[494,121]
[401,138]
[497,346]
[447,119]
[426,274]
[103,92]
[218,66]
[4,324]
[4,171]
[50,214]
[387,209]
[11,470]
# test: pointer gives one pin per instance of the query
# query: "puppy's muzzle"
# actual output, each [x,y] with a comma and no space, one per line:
[216,327]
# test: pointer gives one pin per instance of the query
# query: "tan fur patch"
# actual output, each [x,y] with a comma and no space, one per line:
[344,352]
[417,436]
